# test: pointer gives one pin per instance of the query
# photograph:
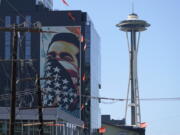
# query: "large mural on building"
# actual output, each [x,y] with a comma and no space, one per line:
[60,67]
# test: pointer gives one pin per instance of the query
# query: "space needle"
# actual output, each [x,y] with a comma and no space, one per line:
[133,26]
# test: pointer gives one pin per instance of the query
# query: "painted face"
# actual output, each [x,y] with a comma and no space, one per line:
[65,53]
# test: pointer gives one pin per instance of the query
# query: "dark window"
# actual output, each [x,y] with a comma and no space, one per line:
[7,47]
[28,39]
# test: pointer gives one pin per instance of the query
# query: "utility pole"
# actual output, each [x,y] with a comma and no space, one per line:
[39,104]
[13,81]
[15,31]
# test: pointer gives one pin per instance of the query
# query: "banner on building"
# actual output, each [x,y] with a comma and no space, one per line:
[60,67]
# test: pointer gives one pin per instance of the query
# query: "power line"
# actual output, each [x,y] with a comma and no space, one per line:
[26,29]
[30,91]
[15,31]
[18,60]
[19,13]
[16,10]
[18,94]
[161,99]
[109,102]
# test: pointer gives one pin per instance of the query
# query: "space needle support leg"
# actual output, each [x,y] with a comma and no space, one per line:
[128,89]
[132,64]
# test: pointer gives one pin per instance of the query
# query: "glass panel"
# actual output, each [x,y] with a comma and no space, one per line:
[18,49]
[17,19]
[7,47]
[28,39]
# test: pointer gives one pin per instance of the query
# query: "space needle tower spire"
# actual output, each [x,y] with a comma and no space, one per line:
[133,26]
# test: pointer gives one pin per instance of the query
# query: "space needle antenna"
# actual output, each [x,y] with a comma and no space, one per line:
[133,26]
[132,6]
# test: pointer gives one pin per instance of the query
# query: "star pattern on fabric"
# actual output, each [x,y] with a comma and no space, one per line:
[59,90]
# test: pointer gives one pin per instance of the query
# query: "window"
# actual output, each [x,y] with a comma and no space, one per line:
[17,19]
[28,39]
[7,51]
[18,47]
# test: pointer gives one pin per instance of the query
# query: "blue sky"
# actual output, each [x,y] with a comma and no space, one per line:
[158,59]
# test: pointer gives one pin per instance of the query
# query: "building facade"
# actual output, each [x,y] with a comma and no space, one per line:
[118,127]
[66,55]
